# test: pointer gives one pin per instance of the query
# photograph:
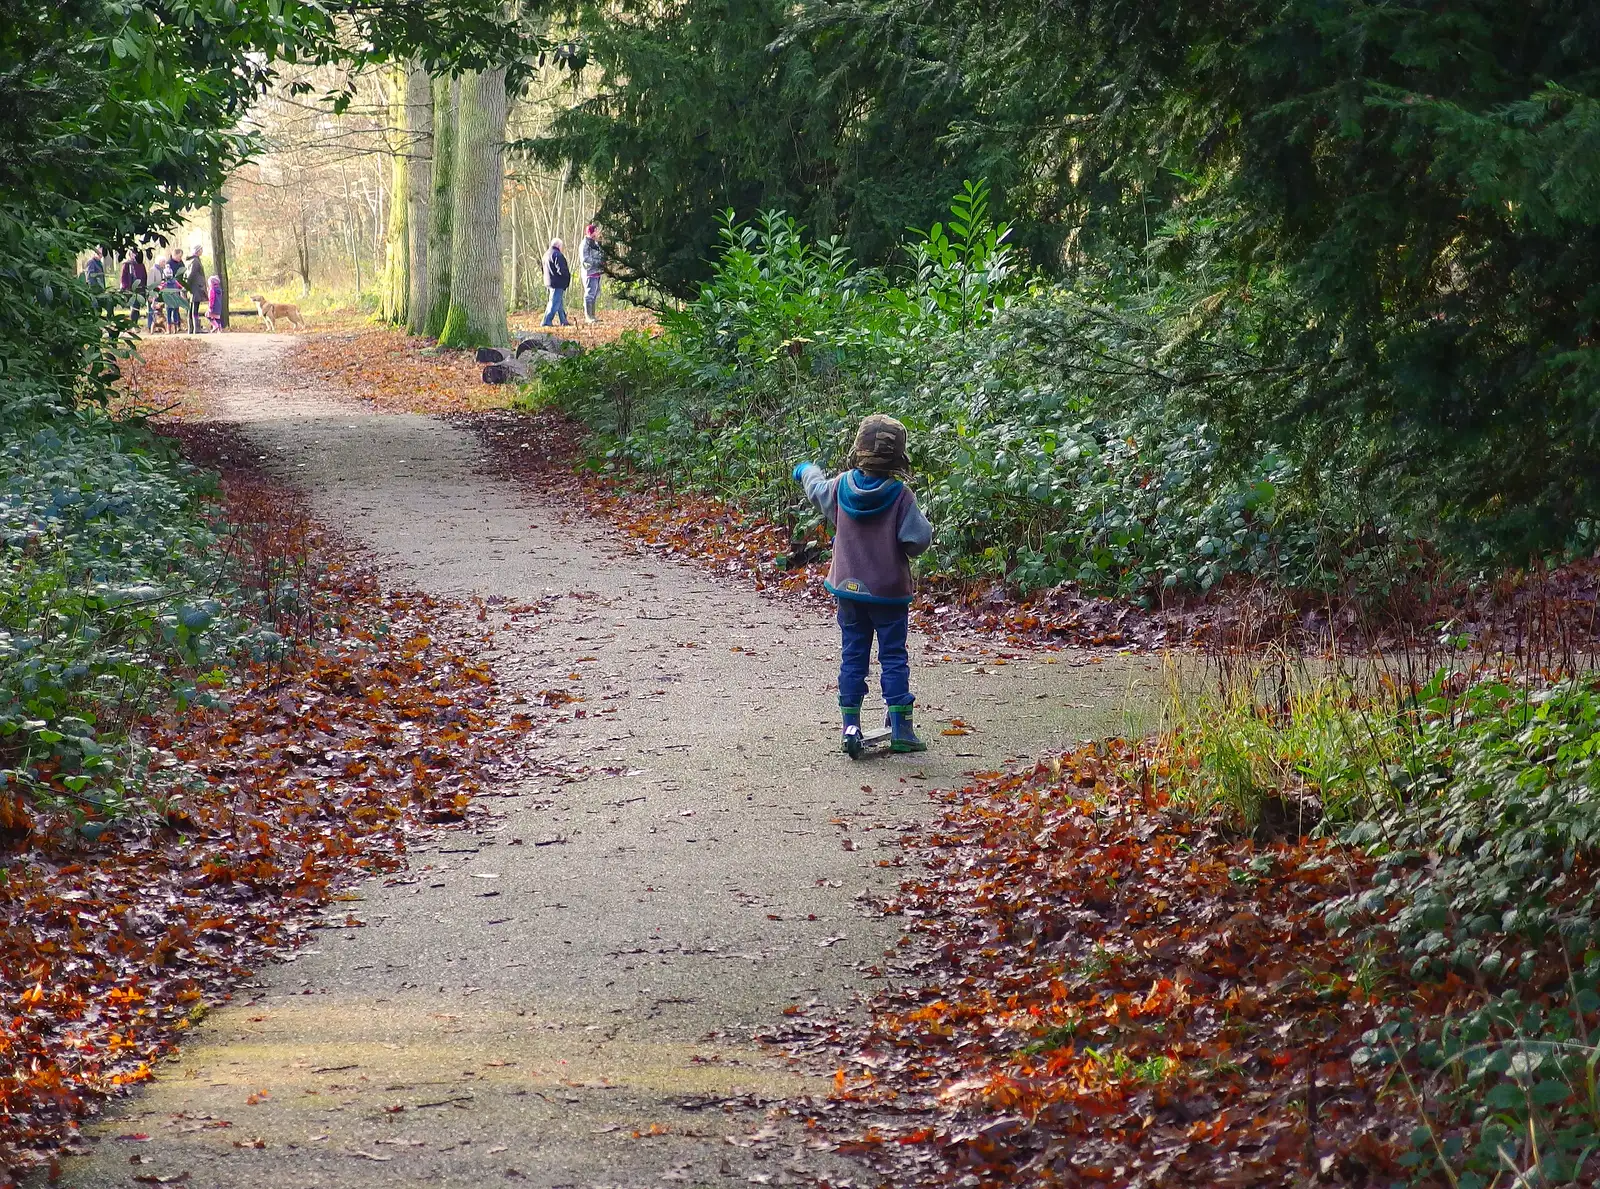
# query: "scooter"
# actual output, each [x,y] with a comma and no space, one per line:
[858,743]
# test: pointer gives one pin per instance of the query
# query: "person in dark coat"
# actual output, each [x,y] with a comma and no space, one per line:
[135,281]
[593,259]
[94,272]
[194,280]
[557,278]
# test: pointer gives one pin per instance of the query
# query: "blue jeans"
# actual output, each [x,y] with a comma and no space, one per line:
[557,307]
[858,623]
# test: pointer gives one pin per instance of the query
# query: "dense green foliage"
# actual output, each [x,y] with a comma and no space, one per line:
[709,104]
[1489,840]
[116,602]
[1390,208]
[1045,423]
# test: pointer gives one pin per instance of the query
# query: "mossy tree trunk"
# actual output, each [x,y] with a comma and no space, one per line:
[419,190]
[477,316]
[441,205]
[396,290]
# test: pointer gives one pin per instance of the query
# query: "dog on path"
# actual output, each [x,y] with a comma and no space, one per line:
[272,311]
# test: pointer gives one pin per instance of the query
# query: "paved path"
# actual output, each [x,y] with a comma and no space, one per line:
[514,1013]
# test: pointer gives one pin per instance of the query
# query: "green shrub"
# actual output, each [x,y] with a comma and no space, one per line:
[1050,430]
[113,605]
[1489,848]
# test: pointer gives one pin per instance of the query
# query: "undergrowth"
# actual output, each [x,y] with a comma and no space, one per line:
[120,600]
[1056,430]
[1475,791]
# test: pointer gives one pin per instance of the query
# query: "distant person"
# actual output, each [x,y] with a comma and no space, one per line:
[194,281]
[160,270]
[135,282]
[141,276]
[94,271]
[877,530]
[593,259]
[174,263]
[173,299]
[557,278]
[214,302]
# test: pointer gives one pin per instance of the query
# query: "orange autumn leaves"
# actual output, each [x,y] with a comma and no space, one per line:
[1096,989]
[318,770]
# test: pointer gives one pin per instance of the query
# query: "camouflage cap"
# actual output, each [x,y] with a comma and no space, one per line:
[881,446]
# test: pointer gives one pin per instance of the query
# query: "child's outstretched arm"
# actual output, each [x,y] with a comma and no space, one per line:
[820,490]
[915,534]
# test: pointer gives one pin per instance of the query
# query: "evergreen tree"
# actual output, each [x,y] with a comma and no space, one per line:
[707,104]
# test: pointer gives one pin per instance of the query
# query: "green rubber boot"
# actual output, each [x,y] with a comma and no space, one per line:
[850,740]
[901,736]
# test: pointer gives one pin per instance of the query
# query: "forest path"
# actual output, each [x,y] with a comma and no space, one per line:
[519,1011]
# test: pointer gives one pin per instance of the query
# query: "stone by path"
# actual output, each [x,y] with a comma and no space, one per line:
[568,999]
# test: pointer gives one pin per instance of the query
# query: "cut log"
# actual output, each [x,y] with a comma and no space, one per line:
[505,372]
[538,342]
[566,348]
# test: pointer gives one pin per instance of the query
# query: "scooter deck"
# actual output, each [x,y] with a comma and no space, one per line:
[866,742]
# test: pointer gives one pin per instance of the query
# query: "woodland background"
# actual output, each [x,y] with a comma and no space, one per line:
[1278,317]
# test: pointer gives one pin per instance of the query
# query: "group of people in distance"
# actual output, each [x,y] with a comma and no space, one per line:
[558,276]
[170,288]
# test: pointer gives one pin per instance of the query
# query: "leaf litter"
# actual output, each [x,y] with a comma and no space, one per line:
[1097,989]
[323,766]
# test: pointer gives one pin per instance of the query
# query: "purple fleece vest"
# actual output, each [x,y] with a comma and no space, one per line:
[869,564]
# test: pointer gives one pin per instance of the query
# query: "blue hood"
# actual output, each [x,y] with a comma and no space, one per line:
[863,496]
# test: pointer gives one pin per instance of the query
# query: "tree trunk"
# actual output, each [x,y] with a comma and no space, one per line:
[219,252]
[397,246]
[352,224]
[516,251]
[302,249]
[477,315]
[440,206]
[419,192]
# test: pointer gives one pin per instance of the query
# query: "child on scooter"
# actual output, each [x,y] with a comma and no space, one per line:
[878,529]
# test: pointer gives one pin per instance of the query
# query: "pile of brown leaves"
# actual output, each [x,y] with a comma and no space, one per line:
[321,766]
[163,376]
[611,326]
[397,372]
[1095,989]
